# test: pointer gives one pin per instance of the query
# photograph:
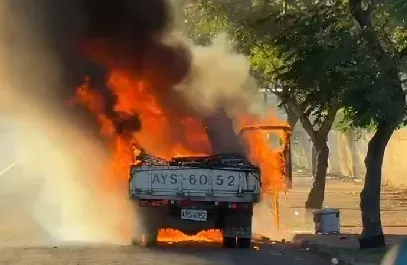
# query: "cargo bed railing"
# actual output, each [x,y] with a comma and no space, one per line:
[286,144]
[244,188]
[228,160]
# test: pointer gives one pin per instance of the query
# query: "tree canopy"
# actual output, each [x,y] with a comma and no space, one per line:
[320,57]
[314,51]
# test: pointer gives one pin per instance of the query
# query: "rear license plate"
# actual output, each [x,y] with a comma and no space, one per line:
[194,215]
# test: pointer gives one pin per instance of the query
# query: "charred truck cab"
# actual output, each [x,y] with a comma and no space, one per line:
[192,194]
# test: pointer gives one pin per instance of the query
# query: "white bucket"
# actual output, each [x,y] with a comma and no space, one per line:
[327,221]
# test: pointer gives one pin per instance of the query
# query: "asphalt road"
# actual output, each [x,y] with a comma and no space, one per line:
[162,255]
[16,230]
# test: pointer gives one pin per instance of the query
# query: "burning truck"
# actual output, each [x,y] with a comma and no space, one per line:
[198,193]
[191,171]
[173,185]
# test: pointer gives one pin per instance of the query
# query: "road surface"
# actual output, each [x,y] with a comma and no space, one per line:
[17,229]
[163,255]
[346,197]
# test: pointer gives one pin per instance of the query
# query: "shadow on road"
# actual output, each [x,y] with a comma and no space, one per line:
[342,240]
[214,253]
[348,245]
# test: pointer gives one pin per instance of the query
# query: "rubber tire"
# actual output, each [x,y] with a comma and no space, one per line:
[244,242]
[146,239]
[229,242]
[145,227]
[149,239]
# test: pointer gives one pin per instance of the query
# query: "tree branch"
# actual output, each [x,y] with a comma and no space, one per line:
[388,64]
[329,120]
[292,118]
[305,121]
[363,17]
[403,53]
[263,19]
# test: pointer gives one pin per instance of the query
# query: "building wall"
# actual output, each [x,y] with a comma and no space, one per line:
[347,151]
[347,154]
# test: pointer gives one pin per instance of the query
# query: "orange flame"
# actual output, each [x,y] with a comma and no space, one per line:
[174,236]
[271,161]
[137,97]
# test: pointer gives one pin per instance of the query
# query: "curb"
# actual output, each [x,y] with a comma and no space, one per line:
[341,254]
[336,256]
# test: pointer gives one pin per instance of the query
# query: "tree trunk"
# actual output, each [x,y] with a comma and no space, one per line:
[319,140]
[313,161]
[317,194]
[372,234]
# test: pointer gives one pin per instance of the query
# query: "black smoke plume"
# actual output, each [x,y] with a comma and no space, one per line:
[59,42]
[43,35]
[129,35]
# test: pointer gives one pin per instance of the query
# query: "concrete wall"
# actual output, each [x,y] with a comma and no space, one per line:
[7,155]
[347,154]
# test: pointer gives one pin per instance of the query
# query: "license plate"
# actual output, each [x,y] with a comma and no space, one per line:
[194,215]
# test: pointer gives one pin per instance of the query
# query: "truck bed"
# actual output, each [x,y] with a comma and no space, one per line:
[196,178]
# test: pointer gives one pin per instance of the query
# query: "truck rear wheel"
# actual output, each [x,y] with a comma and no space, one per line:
[149,238]
[145,227]
[243,242]
[237,224]
[229,242]
[146,237]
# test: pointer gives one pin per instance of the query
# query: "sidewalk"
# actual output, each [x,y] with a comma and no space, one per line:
[343,247]
[345,196]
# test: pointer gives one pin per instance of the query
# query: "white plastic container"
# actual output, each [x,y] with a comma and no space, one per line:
[327,221]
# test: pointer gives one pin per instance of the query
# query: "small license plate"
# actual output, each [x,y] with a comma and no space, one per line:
[194,215]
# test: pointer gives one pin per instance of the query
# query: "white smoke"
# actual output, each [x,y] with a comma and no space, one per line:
[56,188]
[219,77]
[54,192]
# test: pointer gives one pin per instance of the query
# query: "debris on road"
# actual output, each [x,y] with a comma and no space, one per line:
[334,261]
